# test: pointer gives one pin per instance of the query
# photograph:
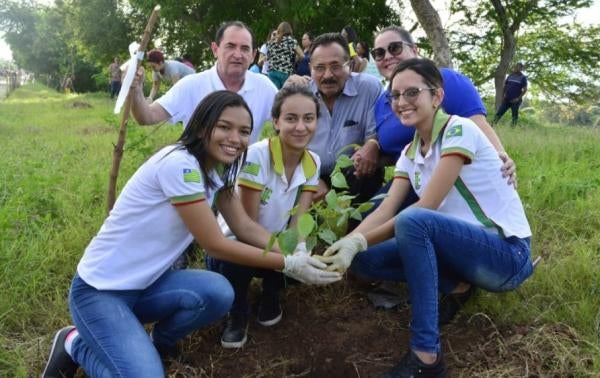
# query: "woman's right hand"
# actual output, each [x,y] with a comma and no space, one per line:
[300,266]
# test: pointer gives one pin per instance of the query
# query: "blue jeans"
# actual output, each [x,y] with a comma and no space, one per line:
[115,87]
[514,108]
[113,341]
[433,252]
[278,78]
[240,277]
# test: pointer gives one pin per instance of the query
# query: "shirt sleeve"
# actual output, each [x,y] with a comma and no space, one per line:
[180,179]
[312,183]
[403,166]
[174,101]
[371,130]
[253,174]
[460,139]
[461,97]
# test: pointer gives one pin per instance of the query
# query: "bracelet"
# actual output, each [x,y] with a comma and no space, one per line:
[374,141]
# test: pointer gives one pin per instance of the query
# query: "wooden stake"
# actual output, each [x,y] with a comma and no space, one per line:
[118,149]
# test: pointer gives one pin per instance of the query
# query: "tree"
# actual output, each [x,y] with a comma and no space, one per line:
[530,30]
[190,25]
[431,23]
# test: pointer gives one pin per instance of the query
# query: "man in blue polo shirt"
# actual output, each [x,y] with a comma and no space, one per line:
[515,87]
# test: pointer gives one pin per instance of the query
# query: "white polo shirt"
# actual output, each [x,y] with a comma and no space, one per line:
[264,171]
[182,99]
[480,194]
[143,234]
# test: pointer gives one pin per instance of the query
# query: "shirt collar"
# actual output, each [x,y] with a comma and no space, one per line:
[309,167]
[218,83]
[439,123]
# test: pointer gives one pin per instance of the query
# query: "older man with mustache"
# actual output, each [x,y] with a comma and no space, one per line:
[347,119]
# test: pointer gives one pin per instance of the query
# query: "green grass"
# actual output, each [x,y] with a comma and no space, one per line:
[54,164]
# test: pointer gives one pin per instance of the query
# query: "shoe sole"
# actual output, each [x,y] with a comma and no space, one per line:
[234,344]
[271,322]
[54,345]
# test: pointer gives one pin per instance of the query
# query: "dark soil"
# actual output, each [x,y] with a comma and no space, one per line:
[332,331]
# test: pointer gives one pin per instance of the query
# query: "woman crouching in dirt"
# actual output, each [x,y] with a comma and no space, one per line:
[124,278]
[468,229]
[278,175]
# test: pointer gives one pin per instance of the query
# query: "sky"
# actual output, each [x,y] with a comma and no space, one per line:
[585,16]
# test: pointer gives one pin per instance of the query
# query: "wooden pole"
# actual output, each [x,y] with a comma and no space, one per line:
[118,149]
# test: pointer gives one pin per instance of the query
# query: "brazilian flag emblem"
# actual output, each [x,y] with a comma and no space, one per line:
[454,131]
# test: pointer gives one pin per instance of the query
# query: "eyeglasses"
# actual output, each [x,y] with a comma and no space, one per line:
[410,95]
[335,69]
[394,48]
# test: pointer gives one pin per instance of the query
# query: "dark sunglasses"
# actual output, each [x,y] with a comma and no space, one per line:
[394,48]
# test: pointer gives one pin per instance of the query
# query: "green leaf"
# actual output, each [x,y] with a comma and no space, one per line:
[270,243]
[287,241]
[356,215]
[338,180]
[332,199]
[327,236]
[342,220]
[306,224]
[365,206]
[379,196]
[344,161]
[311,242]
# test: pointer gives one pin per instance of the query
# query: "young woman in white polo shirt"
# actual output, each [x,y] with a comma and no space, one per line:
[279,174]
[124,278]
[467,229]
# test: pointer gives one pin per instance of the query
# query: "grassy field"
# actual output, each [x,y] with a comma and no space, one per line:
[55,154]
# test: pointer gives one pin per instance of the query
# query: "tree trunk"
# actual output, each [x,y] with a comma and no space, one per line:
[431,23]
[509,39]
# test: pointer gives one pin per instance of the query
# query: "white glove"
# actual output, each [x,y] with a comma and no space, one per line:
[306,269]
[341,253]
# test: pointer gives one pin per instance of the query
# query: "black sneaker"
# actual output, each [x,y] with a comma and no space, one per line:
[60,364]
[236,330]
[269,311]
[412,367]
[450,304]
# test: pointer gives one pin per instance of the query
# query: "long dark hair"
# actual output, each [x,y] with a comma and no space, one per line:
[423,67]
[198,133]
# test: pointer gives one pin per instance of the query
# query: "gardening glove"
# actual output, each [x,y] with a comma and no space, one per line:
[302,267]
[341,253]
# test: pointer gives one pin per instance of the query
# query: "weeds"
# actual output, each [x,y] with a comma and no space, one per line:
[54,163]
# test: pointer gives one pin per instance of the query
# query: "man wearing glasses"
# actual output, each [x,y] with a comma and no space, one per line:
[347,119]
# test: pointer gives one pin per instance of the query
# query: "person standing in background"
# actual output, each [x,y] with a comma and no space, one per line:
[283,54]
[302,66]
[114,71]
[515,87]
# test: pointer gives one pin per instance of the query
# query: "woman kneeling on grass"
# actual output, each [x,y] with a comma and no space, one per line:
[123,280]
[279,173]
[467,229]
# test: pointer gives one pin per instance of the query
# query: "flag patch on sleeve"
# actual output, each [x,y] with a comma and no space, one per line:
[191,175]
[454,131]
[251,168]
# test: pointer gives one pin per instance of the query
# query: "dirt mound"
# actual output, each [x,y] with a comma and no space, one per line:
[335,331]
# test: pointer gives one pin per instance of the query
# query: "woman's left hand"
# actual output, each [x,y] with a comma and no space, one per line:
[509,168]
